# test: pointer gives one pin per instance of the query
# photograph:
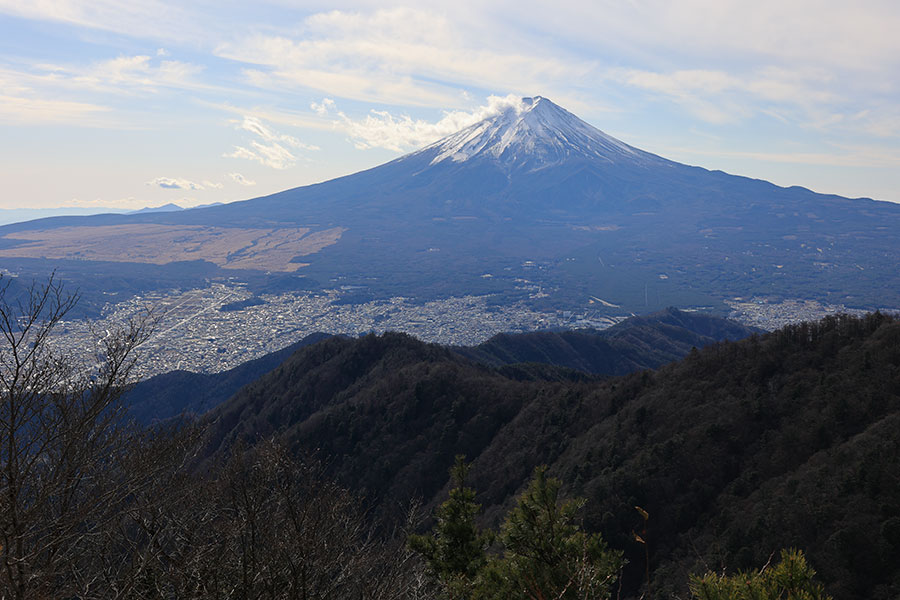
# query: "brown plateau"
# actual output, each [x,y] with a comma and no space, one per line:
[227,247]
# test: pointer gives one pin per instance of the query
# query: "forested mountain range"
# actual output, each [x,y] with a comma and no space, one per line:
[178,393]
[642,342]
[637,343]
[738,450]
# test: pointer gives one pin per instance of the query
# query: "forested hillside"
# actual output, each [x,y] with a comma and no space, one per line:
[178,393]
[644,342]
[637,343]
[739,450]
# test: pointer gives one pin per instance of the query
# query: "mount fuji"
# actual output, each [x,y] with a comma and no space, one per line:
[530,204]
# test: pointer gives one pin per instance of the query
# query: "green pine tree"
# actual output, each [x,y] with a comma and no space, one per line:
[455,549]
[790,579]
[546,554]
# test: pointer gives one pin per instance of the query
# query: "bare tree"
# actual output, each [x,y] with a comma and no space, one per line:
[61,431]
[264,524]
[94,507]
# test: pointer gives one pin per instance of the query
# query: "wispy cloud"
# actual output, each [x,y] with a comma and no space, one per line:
[24,110]
[271,149]
[170,183]
[801,96]
[381,129]
[404,56]
[293,118]
[120,75]
[150,19]
[238,178]
[86,95]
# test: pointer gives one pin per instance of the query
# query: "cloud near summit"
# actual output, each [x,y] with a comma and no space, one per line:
[400,133]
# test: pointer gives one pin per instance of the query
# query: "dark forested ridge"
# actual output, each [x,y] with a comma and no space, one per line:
[388,413]
[185,393]
[644,342]
[742,448]
[637,343]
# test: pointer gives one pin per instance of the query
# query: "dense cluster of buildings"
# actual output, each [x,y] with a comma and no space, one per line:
[215,328]
[771,315]
[195,330]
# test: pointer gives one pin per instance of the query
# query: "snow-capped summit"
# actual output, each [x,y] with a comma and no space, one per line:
[533,134]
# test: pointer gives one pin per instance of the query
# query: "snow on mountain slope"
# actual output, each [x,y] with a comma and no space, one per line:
[532,135]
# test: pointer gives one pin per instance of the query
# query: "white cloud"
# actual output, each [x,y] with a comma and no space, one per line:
[238,178]
[380,129]
[801,96]
[79,95]
[169,183]
[271,155]
[23,110]
[288,118]
[404,56]
[24,102]
[274,148]
[873,157]
[832,33]
[212,185]
[323,107]
[127,74]
[150,19]
[256,126]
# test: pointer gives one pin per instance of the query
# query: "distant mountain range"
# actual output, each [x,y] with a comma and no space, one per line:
[532,197]
[19,215]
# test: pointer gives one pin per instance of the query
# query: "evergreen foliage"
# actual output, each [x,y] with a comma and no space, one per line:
[455,551]
[790,579]
[544,554]
[785,439]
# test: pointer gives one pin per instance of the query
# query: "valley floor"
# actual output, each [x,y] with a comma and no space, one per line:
[195,331]
[192,331]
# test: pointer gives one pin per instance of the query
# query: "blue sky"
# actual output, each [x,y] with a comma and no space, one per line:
[129,104]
